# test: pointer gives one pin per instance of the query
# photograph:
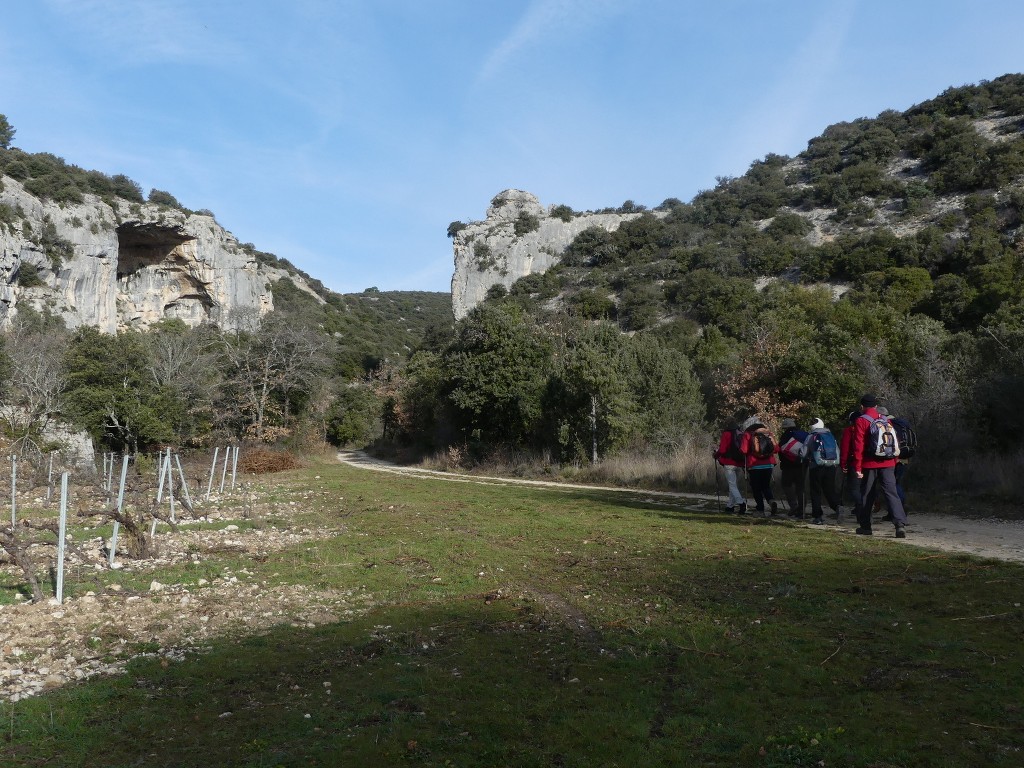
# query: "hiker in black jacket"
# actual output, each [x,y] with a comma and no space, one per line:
[822,462]
[792,451]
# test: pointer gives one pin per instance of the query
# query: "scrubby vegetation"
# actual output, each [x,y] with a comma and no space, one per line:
[888,256]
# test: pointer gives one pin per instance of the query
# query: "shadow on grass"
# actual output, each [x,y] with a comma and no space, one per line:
[612,631]
[763,660]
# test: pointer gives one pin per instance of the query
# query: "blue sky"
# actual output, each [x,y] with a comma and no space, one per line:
[345,136]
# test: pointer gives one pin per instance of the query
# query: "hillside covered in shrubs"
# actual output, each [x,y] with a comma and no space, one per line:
[887,256]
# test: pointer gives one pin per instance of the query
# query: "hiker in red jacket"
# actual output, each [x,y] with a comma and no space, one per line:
[731,457]
[874,466]
[760,447]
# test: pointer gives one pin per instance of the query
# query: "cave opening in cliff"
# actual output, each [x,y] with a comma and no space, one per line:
[146,245]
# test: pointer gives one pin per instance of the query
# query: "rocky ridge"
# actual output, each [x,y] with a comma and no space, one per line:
[491,252]
[118,264]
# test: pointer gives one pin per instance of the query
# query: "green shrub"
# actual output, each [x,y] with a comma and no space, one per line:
[7,216]
[563,212]
[789,224]
[28,276]
[483,257]
[159,197]
[57,248]
[592,304]
[496,292]
[526,223]
[17,170]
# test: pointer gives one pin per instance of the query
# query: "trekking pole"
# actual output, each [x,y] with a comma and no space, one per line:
[842,494]
[718,495]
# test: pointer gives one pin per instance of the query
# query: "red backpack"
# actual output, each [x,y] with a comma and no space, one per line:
[793,450]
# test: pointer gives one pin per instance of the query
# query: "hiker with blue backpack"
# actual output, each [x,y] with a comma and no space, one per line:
[822,459]
[874,452]
[792,452]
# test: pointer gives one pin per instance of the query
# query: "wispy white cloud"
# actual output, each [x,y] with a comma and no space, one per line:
[544,20]
[781,119]
[129,31]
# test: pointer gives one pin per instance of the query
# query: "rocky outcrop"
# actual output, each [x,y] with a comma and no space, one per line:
[122,265]
[519,237]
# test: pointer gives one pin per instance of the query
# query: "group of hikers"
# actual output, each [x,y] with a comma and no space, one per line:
[870,457]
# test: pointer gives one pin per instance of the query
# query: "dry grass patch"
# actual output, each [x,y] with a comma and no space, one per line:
[262,461]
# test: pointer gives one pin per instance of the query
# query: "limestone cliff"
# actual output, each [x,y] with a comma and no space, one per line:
[121,264]
[492,252]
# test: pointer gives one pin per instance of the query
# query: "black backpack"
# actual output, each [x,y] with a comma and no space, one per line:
[762,445]
[906,436]
[734,453]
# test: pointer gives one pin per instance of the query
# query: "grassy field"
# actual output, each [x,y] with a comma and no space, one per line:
[532,627]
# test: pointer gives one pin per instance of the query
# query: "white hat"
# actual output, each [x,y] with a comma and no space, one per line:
[817,424]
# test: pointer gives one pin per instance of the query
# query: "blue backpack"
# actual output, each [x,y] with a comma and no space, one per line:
[822,450]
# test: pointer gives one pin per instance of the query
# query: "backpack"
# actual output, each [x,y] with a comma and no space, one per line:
[762,445]
[733,452]
[793,450]
[823,450]
[906,436]
[881,440]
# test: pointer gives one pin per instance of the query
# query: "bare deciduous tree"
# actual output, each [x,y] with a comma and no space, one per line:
[928,393]
[266,362]
[36,381]
[183,361]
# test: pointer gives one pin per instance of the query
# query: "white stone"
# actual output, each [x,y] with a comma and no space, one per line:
[514,256]
[131,265]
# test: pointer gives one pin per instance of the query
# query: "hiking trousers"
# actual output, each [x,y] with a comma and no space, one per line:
[899,472]
[883,478]
[760,485]
[793,485]
[732,480]
[822,481]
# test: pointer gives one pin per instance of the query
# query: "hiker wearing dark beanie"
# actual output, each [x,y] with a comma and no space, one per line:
[874,451]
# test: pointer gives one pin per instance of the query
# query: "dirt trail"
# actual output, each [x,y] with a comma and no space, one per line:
[994,538]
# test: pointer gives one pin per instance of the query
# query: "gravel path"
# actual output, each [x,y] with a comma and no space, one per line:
[994,538]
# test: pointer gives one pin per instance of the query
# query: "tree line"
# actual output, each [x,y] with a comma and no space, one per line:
[175,385]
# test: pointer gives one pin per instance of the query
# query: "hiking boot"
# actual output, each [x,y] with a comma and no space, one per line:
[817,521]
[728,510]
[900,533]
[742,509]
[863,531]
